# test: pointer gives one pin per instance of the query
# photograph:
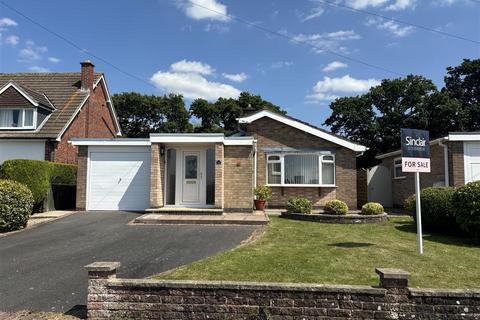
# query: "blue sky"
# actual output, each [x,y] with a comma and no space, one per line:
[177,46]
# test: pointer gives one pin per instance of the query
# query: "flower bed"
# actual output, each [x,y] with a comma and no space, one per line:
[350,218]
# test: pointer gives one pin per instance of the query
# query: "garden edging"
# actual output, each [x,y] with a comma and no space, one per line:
[332,218]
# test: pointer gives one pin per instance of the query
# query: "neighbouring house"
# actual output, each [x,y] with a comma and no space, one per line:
[455,161]
[213,171]
[41,112]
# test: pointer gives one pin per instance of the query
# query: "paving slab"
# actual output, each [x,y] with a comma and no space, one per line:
[256,218]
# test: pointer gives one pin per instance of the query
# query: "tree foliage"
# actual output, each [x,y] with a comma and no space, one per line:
[374,119]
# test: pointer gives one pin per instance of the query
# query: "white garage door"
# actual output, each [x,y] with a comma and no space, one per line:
[118,178]
[472,161]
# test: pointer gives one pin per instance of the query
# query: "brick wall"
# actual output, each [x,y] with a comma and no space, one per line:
[82,178]
[93,121]
[270,133]
[404,187]
[238,178]
[219,175]
[157,172]
[456,163]
[362,188]
[112,298]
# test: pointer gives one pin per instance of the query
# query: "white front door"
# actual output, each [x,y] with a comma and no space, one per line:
[192,178]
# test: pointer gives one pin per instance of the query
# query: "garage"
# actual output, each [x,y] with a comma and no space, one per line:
[472,161]
[118,178]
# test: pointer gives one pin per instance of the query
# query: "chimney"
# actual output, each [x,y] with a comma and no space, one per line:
[87,75]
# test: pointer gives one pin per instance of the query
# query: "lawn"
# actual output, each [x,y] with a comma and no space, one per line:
[296,251]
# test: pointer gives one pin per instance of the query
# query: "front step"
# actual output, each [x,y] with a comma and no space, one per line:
[186,211]
[226,219]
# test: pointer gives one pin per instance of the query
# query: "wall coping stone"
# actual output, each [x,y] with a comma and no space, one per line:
[102,266]
[390,273]
[234,285]
[447,293]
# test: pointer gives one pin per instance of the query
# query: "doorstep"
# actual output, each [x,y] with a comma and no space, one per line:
[185,211]
[255,219]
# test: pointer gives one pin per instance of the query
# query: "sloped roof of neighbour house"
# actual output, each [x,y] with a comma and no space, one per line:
[303,126]
[60,91]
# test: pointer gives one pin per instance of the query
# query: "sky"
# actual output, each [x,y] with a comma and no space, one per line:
[298,54]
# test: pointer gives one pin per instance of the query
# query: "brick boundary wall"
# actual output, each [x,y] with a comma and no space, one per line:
[112,298]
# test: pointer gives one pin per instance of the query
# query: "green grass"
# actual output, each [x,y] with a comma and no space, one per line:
[296,251]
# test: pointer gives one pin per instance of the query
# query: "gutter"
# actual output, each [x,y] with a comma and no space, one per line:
[445,162]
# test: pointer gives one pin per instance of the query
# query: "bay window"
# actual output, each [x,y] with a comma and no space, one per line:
[17,118]
[300,170]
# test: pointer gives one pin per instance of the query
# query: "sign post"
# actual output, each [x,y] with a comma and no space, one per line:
[416,158]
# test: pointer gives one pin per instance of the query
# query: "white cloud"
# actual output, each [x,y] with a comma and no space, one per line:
[38,69]
[281,64]
[237,77]
[214,27]
[401,5]
[362,4]
[12,40]
[391,26]
[54,60]
[32,52]
[393,5]
[330,41]
[334,65]
[315,12]
[188,78]
[192,67]
[7,22]
[204,9]
[332,88]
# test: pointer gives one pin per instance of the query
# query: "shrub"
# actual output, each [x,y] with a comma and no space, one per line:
[438,214]
[466,201]
[37,175]
[372,208]
[263,192]
[299,205]
[336,207]
[16,204]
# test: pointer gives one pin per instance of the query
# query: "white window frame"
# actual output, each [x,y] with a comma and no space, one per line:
[23,127]
[395,165]
[282,162]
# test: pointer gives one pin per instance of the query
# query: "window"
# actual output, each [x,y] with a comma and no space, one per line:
[17,119]
[301,170]
[397,169]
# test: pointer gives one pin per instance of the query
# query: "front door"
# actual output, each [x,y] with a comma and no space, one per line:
[191,177]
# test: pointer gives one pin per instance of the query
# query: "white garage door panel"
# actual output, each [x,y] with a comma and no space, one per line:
[33,150]
[472,161]
[119,180]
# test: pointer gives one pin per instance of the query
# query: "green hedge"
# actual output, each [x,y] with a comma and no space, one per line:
[466,201]
[438,213]
[336,207]
[16,205]
[37,175]
[299,205]
[372,208]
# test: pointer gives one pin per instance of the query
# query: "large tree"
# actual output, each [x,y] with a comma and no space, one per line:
[139,115]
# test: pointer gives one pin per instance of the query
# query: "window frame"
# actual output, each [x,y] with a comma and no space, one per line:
[23,127]
[282,169]
[395,165]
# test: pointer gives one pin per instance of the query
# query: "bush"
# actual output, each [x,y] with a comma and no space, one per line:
[37,175]
[16,204]
[466,201]
[372,208]
[438,214]
[336,207]
[299,205]
[263,192]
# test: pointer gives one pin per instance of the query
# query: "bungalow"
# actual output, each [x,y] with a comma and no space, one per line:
[216,171]
[455,161]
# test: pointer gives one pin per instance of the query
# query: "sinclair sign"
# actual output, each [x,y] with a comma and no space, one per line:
[415,150]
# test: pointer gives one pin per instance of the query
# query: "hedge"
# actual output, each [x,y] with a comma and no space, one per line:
[372,208]
[466,201]
[438,213]
[299,205]
[16,205]
[336,207]
[37,175]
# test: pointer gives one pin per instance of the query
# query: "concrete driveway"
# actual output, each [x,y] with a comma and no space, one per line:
[41,269]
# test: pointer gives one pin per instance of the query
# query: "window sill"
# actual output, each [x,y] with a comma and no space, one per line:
[399,178]
[303,185]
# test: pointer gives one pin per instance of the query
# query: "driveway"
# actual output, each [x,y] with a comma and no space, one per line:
[41,269]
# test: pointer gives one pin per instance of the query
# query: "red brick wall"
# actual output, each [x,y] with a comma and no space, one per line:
[238,178]
[456,163]
[271,133]
[93,121]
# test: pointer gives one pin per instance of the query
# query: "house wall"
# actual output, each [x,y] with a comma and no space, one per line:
[24,149]
[219,175]
[157,171]
[93,121]
[81,200]
[238,178]
[271,133]
[402,188]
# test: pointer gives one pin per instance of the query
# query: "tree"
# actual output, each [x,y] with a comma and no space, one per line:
[139,115]
[208,113]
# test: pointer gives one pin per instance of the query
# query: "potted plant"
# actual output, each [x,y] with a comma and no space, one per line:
[262,194]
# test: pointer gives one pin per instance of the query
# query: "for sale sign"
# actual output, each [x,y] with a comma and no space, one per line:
[415,150]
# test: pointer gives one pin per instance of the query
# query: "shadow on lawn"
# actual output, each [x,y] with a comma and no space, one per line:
[351,244]
[435,237]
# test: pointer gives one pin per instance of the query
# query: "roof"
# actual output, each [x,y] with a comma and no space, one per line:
[303,126]
[452,136]
[34,97]
[60,90]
